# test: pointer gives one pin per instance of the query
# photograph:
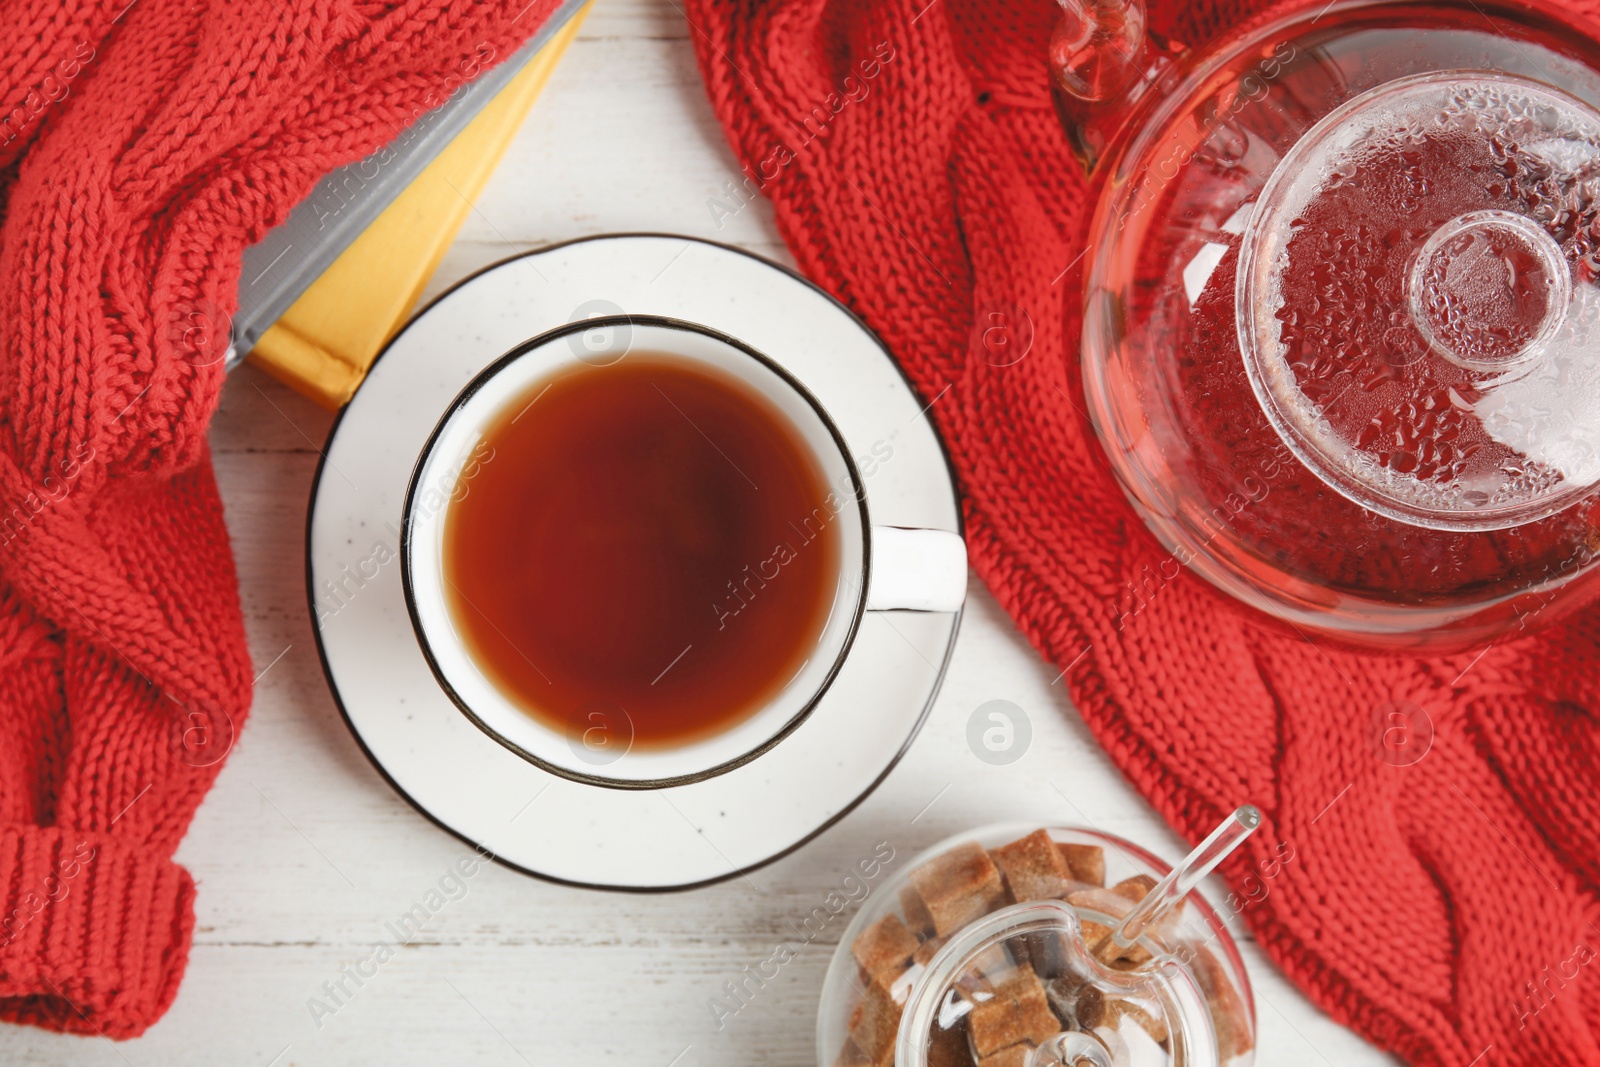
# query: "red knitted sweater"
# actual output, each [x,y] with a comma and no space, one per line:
[142,147]
[1444,909]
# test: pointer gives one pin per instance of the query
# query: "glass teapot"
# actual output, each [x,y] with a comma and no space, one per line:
[1341,333]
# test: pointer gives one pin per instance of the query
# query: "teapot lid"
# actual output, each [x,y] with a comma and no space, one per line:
[1415,300]
[1021,986]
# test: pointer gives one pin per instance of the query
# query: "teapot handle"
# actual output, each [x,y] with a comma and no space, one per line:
[1103,59]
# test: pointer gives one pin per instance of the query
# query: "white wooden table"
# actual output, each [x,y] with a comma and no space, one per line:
[303,853]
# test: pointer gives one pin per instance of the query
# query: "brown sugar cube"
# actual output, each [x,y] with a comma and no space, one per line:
[1132,956]
[885,945]
[996,1024]
[1088,862]
[1103,901]
[1125,1012]
[1227,1009]
[1022,984]
[1012,1056]
[1136,888]
[1135,955]
[1115,906]
[958,887]
[1018,1012]
[1093,933]
[918,918]
[875,1020]
[1034,867]
[1038,1021]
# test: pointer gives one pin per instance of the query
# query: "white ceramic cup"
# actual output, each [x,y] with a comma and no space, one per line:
[881,568]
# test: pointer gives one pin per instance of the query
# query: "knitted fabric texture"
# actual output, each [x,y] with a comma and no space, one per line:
[142,148]
[1445,910]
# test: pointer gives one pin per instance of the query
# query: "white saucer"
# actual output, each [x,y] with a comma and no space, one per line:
[462,779]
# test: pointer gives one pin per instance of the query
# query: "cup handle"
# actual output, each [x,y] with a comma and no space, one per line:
[917,570]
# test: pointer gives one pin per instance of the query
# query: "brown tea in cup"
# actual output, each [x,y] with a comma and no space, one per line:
[651,538]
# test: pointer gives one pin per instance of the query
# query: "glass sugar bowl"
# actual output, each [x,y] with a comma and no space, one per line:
[982,953]
[1341,333]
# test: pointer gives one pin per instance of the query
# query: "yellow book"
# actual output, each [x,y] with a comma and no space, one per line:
[324,343]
